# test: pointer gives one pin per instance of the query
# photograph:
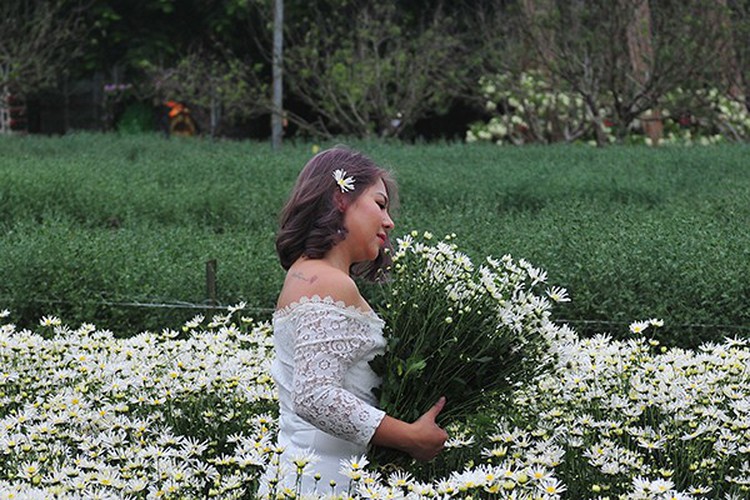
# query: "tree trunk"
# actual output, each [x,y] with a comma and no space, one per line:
[277,116]
[640,49]
[4,110]
[215,112]
[544,38]
[730,68]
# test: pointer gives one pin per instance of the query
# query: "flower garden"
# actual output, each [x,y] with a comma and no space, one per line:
[190,413]
[91,407]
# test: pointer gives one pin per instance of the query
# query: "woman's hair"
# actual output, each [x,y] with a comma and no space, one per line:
[311,222]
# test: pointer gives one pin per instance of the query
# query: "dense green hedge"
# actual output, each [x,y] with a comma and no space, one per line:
[633,233]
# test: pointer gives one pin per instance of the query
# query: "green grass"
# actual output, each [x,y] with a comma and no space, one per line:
[633,233]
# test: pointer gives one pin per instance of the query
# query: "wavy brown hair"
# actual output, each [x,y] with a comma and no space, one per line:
[311,222]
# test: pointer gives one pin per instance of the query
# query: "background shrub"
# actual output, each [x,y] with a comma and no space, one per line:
[94,223]
[136,119]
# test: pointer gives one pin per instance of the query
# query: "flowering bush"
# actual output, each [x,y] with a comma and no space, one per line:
[186,414]
[115,96]
[190,413]
[703,117]
[116,91]
[632,420]
[531,110]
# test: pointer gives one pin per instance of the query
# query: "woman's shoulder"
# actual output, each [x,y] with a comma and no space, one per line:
[312,278]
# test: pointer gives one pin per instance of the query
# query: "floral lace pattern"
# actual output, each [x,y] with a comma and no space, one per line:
[330,345]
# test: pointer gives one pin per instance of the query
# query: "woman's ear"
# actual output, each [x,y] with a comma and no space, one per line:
[341,202]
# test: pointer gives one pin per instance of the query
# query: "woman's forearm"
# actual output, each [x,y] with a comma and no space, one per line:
[423,439]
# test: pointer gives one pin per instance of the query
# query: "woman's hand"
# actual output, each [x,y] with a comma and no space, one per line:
[429,437]
[423,439]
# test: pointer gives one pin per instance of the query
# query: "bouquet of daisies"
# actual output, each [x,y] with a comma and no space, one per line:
[471,333]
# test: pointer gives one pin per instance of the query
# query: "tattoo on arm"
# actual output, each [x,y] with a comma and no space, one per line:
[302,277]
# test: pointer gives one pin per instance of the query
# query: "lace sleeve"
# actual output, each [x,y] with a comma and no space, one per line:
[328,343]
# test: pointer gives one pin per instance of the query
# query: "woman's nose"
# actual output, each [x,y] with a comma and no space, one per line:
[388,222]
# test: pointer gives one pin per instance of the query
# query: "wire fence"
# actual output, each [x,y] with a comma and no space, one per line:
[210,305]
[147,304]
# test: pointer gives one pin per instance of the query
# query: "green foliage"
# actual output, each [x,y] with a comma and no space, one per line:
[95,219]
[125,34]
[137,118]
[631,232]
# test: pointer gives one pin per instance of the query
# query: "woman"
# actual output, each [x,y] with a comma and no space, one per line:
[335,226]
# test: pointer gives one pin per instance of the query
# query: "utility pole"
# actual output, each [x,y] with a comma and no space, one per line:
[277,117]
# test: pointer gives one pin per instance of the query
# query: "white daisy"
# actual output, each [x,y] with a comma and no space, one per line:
[344,183]
[639,326]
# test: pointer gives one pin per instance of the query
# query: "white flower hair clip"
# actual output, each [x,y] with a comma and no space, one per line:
[344,183]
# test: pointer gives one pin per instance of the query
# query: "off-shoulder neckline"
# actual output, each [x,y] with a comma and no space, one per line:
[327,300]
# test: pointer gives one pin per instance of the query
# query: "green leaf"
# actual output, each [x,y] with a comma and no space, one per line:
[415,365]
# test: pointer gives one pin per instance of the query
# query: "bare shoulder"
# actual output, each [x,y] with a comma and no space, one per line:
[313,277]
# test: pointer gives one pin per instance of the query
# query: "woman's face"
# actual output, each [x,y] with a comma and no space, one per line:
[368,222]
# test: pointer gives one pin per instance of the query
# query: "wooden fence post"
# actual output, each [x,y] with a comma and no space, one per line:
[211,281]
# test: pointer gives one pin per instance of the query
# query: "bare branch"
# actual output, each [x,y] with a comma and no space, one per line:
[39,40]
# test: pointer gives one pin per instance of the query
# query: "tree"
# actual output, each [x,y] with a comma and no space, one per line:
[366,69]
[737,16]
[621,57]
[38,41]
[277,63]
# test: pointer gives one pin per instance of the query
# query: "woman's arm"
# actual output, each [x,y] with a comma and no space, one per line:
[326,345]
[423,439]
[328,341]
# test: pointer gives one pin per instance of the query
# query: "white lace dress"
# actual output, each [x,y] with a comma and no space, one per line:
[325,382]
